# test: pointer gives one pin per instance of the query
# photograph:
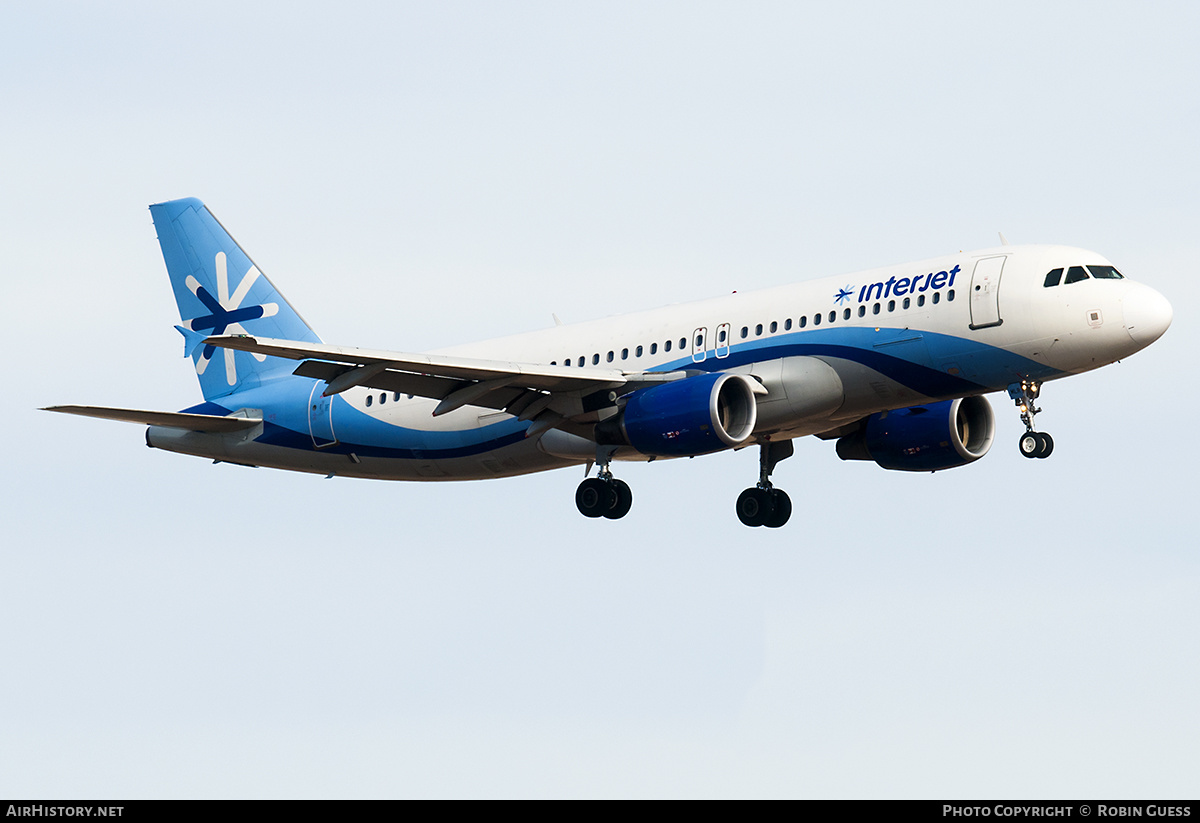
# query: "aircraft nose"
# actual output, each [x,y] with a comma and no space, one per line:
[1147,314]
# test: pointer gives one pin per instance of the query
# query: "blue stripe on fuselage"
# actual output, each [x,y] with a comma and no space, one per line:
[284,402]
[979,367]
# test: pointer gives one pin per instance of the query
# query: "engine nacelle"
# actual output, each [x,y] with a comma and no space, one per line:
[924,438]
[696,415]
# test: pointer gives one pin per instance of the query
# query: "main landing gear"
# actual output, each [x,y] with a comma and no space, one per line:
[1032,443]
[604,496]
[765,505]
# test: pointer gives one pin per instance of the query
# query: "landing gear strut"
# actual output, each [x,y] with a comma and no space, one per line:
[605,495]
[1032,443]
[765,505]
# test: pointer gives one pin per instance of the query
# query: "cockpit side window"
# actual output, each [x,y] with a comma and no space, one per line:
[1075,274]
[1053,278]
[1105,273]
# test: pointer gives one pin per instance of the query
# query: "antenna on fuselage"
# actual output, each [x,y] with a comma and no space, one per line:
[1003,239]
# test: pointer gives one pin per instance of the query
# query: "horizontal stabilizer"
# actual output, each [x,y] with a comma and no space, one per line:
[192,340]
[174,420]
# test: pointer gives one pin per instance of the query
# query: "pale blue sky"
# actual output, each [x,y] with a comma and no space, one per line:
[417,175]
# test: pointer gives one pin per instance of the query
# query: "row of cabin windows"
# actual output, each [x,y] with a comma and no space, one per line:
[1077,273]
[802,322]
[383,398]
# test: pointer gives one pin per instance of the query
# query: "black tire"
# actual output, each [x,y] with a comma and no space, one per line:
[1030,444]
[594,497]
[781,509]
[1047,445]
[622,500]
[754,507]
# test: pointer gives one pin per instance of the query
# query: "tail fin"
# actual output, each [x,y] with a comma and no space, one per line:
[204,261]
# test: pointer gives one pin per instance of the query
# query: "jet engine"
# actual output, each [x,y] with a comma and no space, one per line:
[924,438]
[696,415]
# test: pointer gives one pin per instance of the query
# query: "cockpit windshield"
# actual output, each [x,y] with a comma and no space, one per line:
[1105,273]
[1077,273]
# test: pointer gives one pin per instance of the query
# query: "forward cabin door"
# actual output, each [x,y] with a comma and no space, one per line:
[985,292]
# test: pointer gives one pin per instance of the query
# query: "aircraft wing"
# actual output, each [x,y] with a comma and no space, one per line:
[175,420]
[527,390]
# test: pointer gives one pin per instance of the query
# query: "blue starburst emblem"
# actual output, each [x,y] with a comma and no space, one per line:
[844,295]
[225,314]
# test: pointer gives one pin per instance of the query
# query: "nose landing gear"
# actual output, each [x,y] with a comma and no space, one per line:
[605,495]
[765,505]
[1032,443]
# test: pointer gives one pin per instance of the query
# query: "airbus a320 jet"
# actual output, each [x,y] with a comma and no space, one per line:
[892,364]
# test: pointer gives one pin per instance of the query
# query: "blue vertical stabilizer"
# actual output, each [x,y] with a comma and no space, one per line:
[219,290]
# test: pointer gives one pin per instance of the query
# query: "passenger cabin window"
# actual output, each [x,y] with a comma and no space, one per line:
[787,324]
[803,321]
[862,311]
[1053,277]
[654,348]
[758,330]
[1075,274]
[774,327]
[846,314]
[1105,273]
[683,342]
[638,351]
[667,346]
[816,319]
[920,300]
[595,359]
[950,294]
[832,316]
[624,354]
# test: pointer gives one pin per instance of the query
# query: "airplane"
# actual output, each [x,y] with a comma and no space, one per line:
[890,363]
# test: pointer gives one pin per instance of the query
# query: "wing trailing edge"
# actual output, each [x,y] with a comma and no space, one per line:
[526,390]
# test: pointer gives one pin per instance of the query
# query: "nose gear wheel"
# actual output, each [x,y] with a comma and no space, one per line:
[1032,443]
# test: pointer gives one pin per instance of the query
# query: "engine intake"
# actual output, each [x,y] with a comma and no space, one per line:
[924,438]
[696,415]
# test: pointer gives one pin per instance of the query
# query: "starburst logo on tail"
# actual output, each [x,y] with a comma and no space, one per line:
[226,314]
